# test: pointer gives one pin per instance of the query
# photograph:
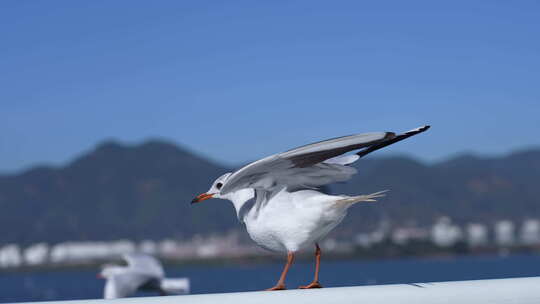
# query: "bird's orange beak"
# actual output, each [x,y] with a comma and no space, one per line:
[201,197]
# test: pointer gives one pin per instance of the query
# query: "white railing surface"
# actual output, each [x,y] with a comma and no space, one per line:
[500,291]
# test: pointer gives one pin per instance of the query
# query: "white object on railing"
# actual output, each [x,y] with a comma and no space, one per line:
[175,286]
[500,291]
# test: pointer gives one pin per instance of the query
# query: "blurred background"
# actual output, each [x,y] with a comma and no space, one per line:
[114,115]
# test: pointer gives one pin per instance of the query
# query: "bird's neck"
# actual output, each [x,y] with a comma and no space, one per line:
[240,201]
[111,289]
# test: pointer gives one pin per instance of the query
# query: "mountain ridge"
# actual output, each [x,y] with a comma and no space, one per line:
[143,192]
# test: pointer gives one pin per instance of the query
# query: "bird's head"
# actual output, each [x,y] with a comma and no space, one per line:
[214,191]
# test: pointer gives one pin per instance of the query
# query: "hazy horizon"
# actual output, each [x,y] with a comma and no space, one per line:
[386,152]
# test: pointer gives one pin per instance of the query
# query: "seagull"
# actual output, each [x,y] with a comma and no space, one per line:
[143,272]
[277,197]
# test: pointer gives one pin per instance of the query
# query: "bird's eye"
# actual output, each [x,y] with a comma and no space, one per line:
[219,185]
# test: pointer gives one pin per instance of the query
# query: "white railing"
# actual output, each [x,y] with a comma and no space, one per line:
[500,291]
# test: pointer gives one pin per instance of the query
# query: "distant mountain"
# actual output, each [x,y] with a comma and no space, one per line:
[466,188]
[112,192]
[143,191]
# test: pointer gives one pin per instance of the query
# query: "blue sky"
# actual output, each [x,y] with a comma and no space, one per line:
[237,80]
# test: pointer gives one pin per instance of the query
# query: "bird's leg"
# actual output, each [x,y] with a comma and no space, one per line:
[315,283]
[281,283]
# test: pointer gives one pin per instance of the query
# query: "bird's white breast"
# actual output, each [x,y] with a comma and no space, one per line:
[292,221]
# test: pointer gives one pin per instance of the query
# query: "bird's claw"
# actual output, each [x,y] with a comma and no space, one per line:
[312,285]
[277,287]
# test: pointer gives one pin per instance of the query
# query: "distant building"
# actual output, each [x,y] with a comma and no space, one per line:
[444,233]
[329,244]
[504,233]
[369,239]
[10,256]
[402,236]
[477,235]
[363,240]
[167,248]
[335,246]
[148,247]
[530,232]
[36,254]
[76,252]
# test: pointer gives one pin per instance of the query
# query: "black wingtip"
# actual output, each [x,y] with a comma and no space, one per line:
[389,139]
[420,130]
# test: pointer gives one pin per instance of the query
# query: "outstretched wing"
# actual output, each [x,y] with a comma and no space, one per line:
[303,166]
[144,264]
[312,165]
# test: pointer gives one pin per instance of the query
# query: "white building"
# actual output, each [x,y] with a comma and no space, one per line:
[369,239]
[504,233]
[168,248]
[530,232]
[444,233]
[36,254]
[10,256]
[148,247]
[87,251]
[477,235]
[402,236]
[363,240]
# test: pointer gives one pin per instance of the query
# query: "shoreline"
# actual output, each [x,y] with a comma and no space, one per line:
[271,258]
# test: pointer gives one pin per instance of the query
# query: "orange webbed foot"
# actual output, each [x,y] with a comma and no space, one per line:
[312,285]
[277,287]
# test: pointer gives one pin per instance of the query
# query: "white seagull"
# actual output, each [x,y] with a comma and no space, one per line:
[143,272]
[277,198]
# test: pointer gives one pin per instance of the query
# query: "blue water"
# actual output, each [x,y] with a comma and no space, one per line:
[82,284]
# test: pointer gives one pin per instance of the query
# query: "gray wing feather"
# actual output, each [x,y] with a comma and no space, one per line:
[145,265]
[311,154]
[302,166]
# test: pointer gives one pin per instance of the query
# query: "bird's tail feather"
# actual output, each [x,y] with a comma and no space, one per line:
[362,198]
[171,286]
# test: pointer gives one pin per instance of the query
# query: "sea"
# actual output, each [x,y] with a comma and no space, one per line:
[71,284]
